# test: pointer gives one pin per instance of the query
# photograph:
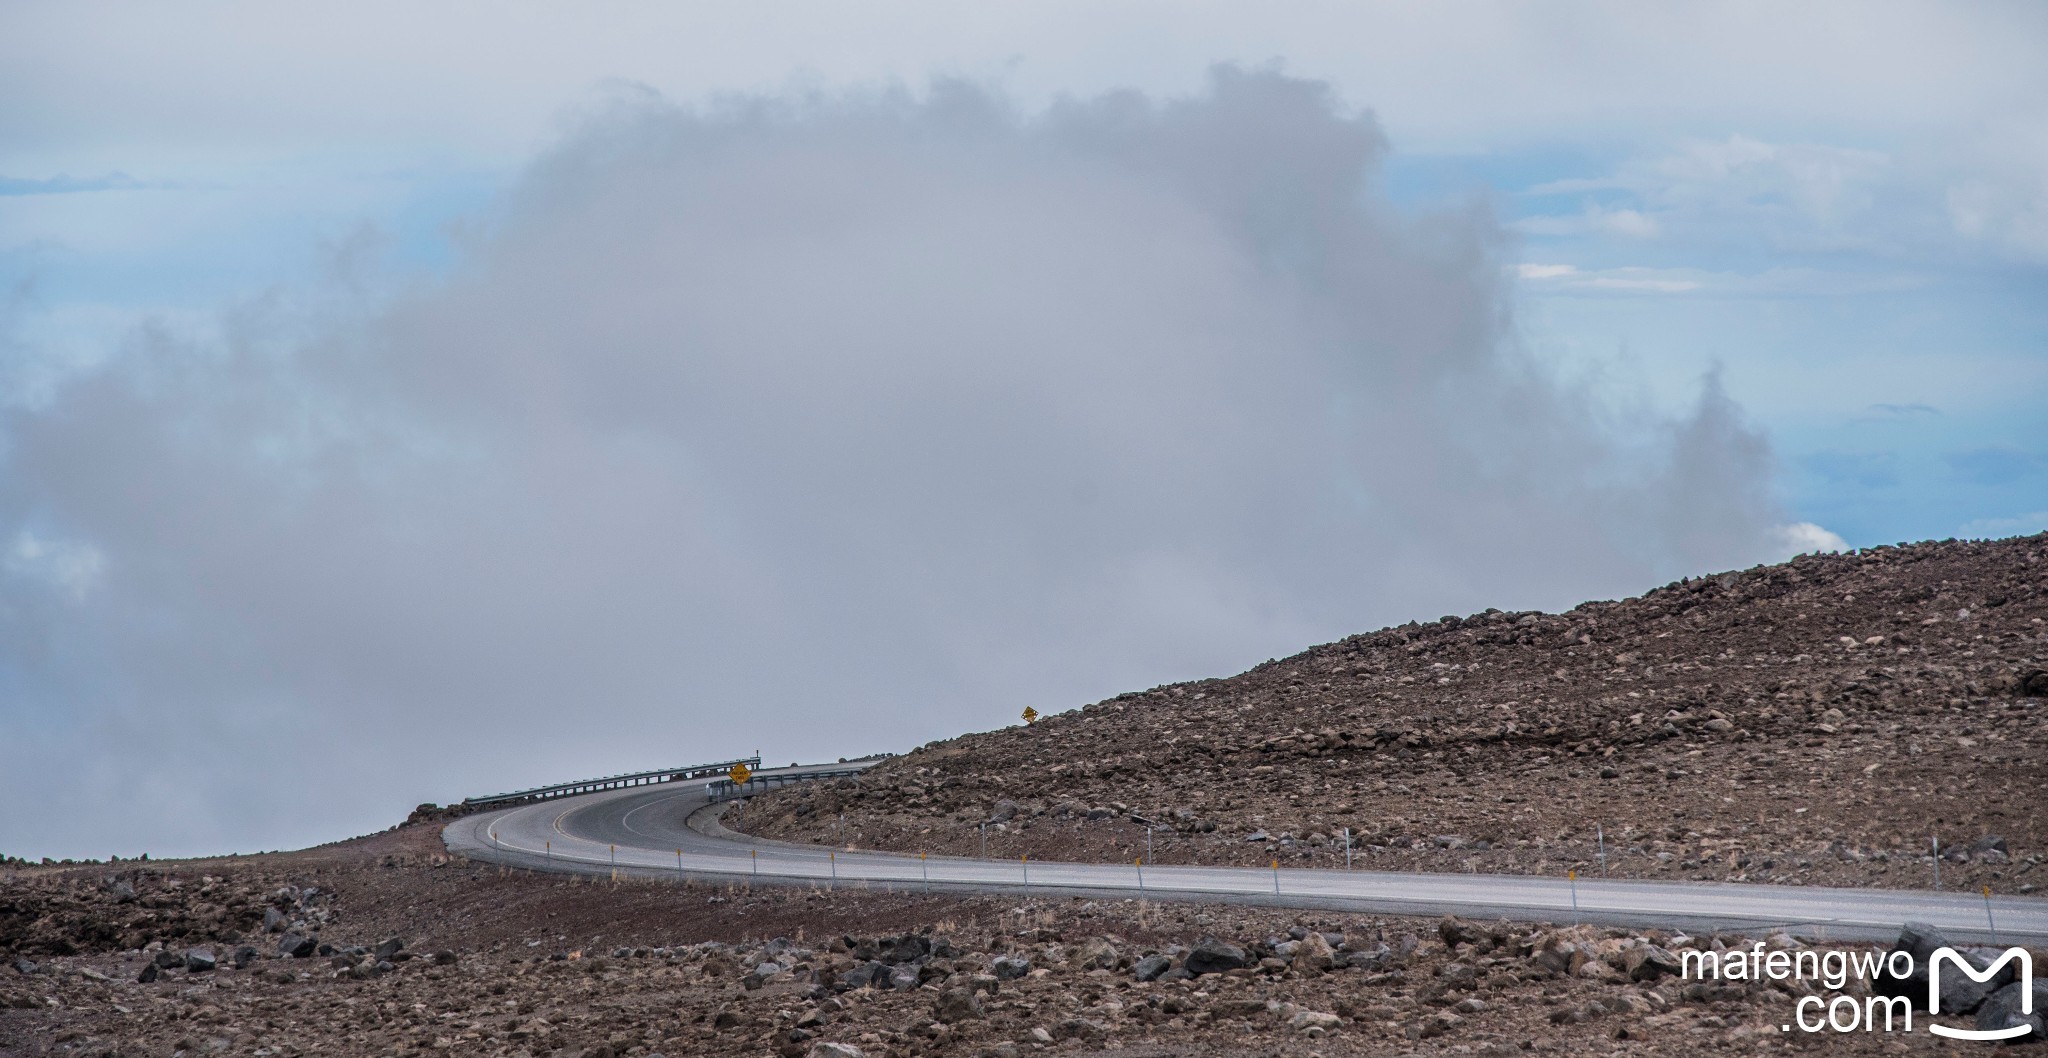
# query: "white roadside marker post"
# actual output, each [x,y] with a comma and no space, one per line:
[679,866]
[1148,841]
[1141,875]
[1573,877]
[1347,848]
[1276,877]
[1601,836]
[753,863]
[834,857]
[1987,917]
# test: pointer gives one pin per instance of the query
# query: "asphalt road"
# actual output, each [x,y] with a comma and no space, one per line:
[671,830]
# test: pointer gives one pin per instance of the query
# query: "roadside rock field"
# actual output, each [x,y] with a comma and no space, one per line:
[414,954]
[1816,722]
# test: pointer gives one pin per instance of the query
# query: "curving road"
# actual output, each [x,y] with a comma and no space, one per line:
[672,830]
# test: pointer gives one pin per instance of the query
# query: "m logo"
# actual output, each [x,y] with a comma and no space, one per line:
[1983,976]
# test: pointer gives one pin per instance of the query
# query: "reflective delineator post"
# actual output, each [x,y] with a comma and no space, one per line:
[1573,877]
[679,866]
[1601,836]
[1987,916]
[1276,877]
[834,857]
[1347,848]
[753,862]
[1148,841]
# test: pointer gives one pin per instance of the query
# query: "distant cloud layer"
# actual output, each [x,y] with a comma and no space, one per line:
[818,424]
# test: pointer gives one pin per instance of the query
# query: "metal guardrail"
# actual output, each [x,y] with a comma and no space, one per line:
[610,782]
[723,789]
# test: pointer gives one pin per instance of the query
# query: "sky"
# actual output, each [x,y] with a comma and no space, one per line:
[403,401]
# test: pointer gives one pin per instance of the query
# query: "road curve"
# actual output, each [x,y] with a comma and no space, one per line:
[671,830]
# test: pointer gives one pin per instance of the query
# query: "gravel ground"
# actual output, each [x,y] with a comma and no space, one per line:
[498,963]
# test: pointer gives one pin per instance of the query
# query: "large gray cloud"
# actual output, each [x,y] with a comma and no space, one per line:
[818,425]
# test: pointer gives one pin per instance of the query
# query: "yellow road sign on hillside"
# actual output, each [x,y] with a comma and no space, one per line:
[1030,715]
[740,773]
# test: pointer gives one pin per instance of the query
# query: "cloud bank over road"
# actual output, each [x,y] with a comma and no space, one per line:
[818,423]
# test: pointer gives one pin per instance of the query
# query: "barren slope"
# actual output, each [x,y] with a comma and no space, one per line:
[1810,722]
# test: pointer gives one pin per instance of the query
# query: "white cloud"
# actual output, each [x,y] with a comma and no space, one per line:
[854,420]
[71,568]
[1565,279]
[1994,528]
[1804,538]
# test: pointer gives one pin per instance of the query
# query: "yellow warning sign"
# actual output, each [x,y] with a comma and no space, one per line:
[740,773]
[1030,715]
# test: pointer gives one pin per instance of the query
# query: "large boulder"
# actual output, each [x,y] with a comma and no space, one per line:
[1454,931]
[1080,1029]
[957,1005]
[1312,955]
[297,946]
[1009,967]
[199,960]
[2001,1010]
[867,975]
[907,948]
[1210,956]
[1646,962]
[762,974]
[1151,967]
[1959,994]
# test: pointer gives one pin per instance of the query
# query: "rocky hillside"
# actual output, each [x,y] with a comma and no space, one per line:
[1815,722]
